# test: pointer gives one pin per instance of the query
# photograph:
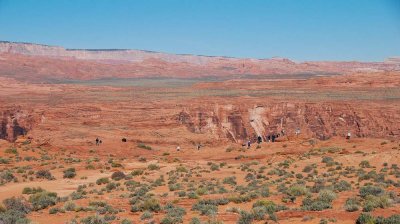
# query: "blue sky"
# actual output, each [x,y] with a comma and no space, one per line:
[366,30]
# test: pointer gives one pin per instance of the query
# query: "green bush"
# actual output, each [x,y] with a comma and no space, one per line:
[13,216]
[17,204]
[230,180]
[28,190]
[327,159]
[126,221]
[146,215]
[69,206]
[298,190]
[365,218]
[153,167]
[44,174]
[137,172]
[245,218]
[195,220]
[143,146]
[94,219]
[118,175]
[103,180]
[371,190]
[151,204]
[352,205]
[326,195]
[371,202]
[342,186]
[42,200]
[69,173]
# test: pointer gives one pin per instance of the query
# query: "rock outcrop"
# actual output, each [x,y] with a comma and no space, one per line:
[319,120]
[14,123]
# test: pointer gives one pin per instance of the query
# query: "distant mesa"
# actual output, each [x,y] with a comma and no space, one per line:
[38,62]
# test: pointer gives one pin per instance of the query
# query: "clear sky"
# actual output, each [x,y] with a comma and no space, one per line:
[366,30]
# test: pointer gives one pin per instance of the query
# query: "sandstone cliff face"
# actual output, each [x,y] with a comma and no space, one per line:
[14,123]
[322,121]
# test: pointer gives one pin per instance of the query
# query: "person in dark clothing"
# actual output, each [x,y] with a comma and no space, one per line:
[273,138]
[248,144]
[97,141]
[259,139]
[268,138]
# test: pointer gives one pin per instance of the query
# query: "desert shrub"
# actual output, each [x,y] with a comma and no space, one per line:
[174,214]
[69,173]
[153,167]
[118,175]
[28,190]
[174,187]
[181,169]
[42,200]
[268,206]
[146,215]
[352,205]
[315,205]
[142,159]
[111,186]
[371,202]
[322,202]
[44,174]
[195,220]
[258,213]
[192,195]
[6,176]
[208,207]
[126,221]
[150,204]
[298,190]
[94,219]
[69,206]
[264,191]
[53,210]
[342,186]
[229,149]
[143,146]
[13,216]
[307,169]
[230,180]
[394,219]
[17,204]
[4,161]
[327,159]
[103,180]
[245,218]
[137,172]
[214,167]
[326,195]
[11,150]
[371,190]
[365,218]
[364,164]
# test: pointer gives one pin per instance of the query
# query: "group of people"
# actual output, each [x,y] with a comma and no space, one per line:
[98,141]
[271,137]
